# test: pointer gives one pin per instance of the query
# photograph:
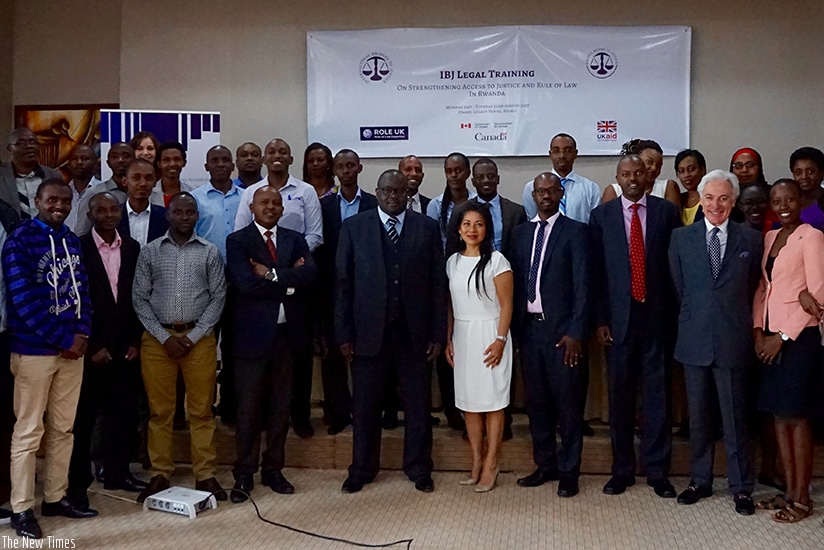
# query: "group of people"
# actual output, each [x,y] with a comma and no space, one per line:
[116,291]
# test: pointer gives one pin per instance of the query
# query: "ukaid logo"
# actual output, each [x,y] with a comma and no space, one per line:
[381,133]
[607,130]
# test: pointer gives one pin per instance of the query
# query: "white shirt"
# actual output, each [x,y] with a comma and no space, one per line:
[274,230]
[385,219]
[139,223]
[722,234]
[414,203]
[537,306]
[71,219]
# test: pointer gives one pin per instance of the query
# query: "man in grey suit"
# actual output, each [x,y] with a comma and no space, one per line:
[20,178]
[716,267]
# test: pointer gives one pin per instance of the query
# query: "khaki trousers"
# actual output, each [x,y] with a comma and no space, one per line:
[50,384]
[160,379]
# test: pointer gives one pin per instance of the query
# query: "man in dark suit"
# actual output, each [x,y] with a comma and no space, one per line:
[412,167]
[390,316]
[347,202]
[141,220]
[550,261]
[111,372]
[634,318]
[715,340]
[266,264]
[20,177]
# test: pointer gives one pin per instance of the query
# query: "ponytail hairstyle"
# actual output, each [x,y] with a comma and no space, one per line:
[486,244]
[443,218]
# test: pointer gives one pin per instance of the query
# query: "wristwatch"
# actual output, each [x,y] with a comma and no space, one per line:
[784,337]
[270,275]
[501,338]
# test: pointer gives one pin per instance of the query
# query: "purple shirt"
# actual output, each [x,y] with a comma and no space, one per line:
[627,212]
[813,216]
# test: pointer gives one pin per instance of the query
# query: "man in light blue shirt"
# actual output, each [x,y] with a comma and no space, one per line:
[218,200]
[581,195]
[301,206]
[249,161]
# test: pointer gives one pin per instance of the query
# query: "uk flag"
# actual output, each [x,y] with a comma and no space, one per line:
[607,126]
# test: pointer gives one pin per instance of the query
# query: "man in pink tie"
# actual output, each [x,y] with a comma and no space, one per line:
[635,320]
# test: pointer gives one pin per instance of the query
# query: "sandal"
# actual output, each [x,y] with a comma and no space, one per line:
[792,513]
[778,502]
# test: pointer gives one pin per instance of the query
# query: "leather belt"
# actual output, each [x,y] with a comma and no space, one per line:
[536,316]
[180,327]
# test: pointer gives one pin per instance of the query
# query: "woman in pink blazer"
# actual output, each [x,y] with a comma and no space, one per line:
[788,342]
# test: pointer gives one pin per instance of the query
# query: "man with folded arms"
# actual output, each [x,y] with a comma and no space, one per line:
[179,291]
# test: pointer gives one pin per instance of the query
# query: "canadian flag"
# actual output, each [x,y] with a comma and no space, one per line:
[466,125]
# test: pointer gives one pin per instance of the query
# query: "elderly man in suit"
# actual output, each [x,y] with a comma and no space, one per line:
[265,263]
[390,316]
[550,259]
[140,219]
[337,208]
[716,266]
[634,320]
[20,178]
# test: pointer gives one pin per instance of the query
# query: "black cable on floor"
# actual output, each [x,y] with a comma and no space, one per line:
[407,542]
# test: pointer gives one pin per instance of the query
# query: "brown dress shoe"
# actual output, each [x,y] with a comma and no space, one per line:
[158,483]
[212,486]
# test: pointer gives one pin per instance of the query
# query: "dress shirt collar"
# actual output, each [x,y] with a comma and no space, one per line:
[496,201]
[100,243]
[49,229]
[290,181]
[357,196]
[626,203]
[194,238]
[262,230]
[385,217]
[234,190]
[571,176]
[414,199]
[130,210]
[723,227]
[550,220]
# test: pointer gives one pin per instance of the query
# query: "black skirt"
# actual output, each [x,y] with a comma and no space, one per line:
[791,387]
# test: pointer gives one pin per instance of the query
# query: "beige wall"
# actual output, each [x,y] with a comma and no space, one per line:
[6,70]
[757,75]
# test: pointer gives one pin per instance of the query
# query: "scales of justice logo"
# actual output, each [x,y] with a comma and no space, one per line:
[375,67]
[602,63]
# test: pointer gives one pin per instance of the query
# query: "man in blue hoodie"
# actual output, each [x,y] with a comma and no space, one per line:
[49,316]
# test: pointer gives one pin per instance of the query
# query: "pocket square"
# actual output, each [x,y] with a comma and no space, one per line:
[744,254]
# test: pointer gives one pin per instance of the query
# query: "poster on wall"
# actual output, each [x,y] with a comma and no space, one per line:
[196,131]
[498,91]
[61,128]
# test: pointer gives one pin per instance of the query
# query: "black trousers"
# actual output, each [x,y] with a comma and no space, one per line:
[111,390]
[639,358]
[553,398]
[6,415]
[226,377]
[707,388]
[337,400]
[369,379]
[446,384]
[301,355]
[264,390]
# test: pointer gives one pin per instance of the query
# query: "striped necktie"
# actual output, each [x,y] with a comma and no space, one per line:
[393,233]
[562,205]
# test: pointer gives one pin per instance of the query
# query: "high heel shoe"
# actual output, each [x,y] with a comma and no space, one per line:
[486,488]
[471,480]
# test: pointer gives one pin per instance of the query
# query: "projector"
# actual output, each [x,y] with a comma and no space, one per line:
[180,500]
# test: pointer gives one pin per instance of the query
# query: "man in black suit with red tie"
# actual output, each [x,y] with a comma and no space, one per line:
[390,317]
[347,202]
[266,264]
[550,261]
[635,320]
[111,370]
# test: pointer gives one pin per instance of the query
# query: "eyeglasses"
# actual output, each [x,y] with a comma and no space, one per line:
[388,191]
[749,165]
[565,150]
[551,191]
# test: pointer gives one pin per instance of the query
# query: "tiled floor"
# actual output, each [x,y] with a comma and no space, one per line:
[453,517]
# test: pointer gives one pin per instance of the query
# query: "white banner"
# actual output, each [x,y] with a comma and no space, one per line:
[197,132]
[498,91]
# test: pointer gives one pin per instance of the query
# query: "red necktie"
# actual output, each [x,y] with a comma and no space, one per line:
[273,251]
[637,262]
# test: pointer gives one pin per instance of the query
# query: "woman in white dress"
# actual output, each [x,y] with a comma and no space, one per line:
[478,346]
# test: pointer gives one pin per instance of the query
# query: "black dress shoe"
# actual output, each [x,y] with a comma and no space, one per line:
[662,487]
[278,483]
[744,504]
[538,478]
[389,422]
[425,484]
[568,487]
[156,484]
[64,507]
[455,421]
[128,483]
[303,429]
[434,420]
[211,485]
[337,426]
[26,525]
[618,484]
[586,430]
[694,493]
[243,486]
[352,485]
[507,433]
[78,497]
